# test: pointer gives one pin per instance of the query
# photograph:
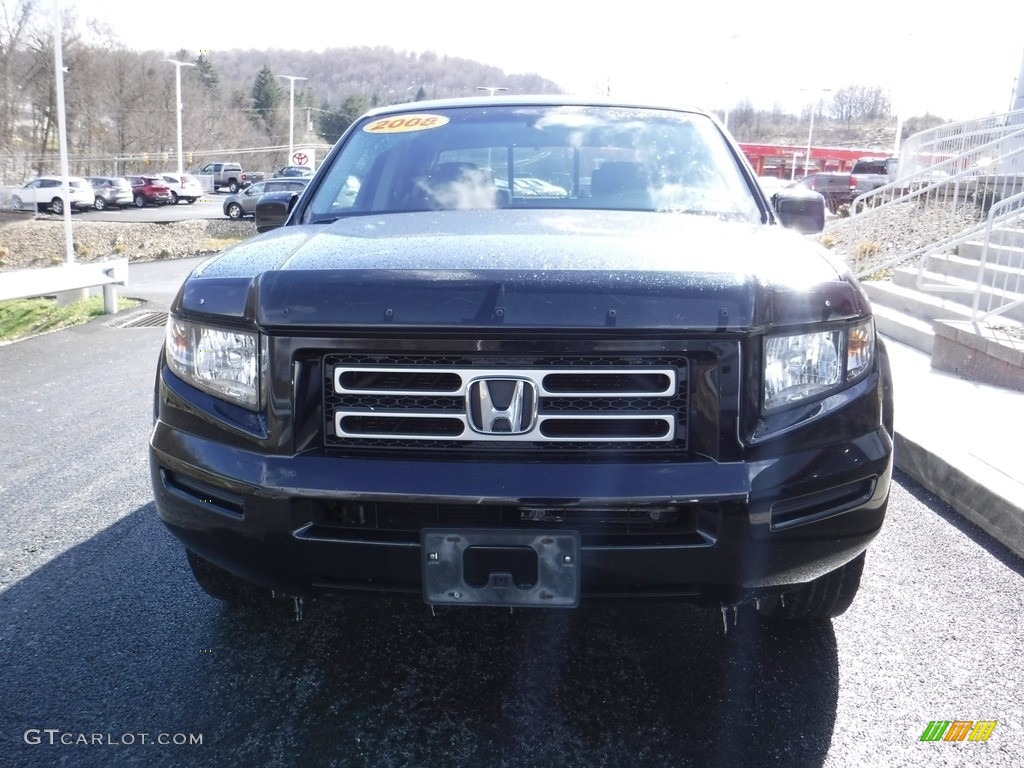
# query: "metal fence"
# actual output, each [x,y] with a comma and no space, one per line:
[15,169]
[949,180]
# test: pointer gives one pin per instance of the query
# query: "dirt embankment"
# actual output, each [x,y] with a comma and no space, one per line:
[26,243]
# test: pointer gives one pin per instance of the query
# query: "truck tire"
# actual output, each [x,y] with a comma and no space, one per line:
[826,597]
[233,186]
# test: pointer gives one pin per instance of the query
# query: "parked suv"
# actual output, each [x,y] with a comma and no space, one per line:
[46,192]
[294,171]
[184,187]
[111,192]
[243,203]
[149,190]
[653,385]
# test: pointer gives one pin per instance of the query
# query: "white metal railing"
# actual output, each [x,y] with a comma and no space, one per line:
[1000,284]
[948,180]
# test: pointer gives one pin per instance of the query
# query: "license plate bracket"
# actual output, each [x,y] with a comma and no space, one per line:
[501,568]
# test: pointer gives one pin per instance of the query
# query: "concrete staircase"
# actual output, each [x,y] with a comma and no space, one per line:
[939,323]
[907,314]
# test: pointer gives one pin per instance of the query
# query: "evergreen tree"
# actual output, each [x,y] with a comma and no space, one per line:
[207,74]
[266,98]
[334,122]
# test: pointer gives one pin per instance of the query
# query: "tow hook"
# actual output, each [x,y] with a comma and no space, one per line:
[725,615]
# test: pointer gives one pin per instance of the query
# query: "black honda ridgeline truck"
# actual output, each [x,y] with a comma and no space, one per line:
[527,352]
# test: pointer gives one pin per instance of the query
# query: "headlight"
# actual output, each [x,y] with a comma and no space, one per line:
[221,362]
[810,365]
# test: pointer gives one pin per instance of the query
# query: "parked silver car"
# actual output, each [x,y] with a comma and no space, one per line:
[110,192]
[242,204]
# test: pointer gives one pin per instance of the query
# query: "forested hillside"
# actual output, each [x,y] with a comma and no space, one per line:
[121,114]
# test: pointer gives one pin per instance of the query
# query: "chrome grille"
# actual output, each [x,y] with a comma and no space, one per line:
[567,403]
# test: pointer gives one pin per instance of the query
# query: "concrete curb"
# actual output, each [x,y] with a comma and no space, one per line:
[980,502]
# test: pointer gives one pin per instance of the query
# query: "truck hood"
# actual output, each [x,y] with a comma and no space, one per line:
[525,268]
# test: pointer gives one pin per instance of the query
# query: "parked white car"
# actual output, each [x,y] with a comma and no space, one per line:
[184,187]
[46,192]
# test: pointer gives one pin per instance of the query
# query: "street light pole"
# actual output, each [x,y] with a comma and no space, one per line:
[810,133]
[177,95]
[291,115]
[810,130]
[727,84]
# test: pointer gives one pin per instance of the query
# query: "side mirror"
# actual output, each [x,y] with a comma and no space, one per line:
[272,210]
[800,209]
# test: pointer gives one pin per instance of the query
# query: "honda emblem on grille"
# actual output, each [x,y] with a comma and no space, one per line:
[501,405]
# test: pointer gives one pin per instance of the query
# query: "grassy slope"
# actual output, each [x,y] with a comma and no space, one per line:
[29,317]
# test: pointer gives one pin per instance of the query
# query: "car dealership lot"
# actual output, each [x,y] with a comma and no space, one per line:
[209,206]
[105,633]
[206,207]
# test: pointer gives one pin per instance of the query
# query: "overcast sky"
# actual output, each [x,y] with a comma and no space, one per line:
[712,54]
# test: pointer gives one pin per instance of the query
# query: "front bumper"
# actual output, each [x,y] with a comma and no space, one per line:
[287,522]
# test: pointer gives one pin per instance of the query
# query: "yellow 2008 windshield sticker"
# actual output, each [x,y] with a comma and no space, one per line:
[405,123]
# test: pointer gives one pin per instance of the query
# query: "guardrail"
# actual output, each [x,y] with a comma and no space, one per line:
[67,279]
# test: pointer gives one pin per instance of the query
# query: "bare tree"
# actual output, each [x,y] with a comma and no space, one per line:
[859,103]
[16,22]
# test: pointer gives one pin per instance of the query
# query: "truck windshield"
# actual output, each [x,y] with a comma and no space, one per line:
[514,156]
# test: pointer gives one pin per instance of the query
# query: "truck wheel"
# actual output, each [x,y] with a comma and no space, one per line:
[233,186]
[218,583]
[57,206]
[235,211]
[819,600]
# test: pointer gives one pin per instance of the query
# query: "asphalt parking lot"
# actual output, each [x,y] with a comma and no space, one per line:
[106,633]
